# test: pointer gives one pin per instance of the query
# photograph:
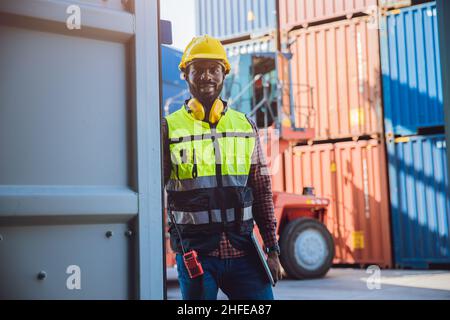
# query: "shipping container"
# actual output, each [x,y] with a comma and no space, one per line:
[226,19]
[271,146]
[397,4]
[420,202]
[80,190]
[362,201]
[352,175]
[174,89]
[443,10]
[259,44]
[170,59]
[394,4]
[295,13]
[336,73]
[174,97]
[411,70]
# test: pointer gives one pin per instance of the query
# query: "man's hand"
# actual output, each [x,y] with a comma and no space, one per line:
[274,265]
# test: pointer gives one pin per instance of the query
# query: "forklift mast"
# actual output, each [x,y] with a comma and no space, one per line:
[259,85]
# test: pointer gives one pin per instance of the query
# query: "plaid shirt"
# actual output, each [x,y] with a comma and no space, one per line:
[260,182]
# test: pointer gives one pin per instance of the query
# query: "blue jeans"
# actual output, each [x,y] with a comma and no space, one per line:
[239,278]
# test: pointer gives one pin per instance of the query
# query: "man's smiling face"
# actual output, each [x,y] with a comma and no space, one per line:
[205,79]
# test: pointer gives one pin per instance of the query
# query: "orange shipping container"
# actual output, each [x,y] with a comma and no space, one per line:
[303,12]
[339,62]
[352,175]
[272,147]
[363,201]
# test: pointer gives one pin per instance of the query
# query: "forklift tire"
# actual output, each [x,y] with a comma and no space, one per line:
[307,249]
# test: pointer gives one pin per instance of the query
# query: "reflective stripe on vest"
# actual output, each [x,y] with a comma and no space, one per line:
[204,157]
[206,182]
[203,217]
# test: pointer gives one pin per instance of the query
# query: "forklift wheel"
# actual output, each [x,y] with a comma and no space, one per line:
[307,249]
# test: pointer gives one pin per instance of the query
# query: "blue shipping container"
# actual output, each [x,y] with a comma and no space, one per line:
[227,19]
[420,204]
[411,68]
[173,87]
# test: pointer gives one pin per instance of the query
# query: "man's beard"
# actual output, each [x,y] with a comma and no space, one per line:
[205,100]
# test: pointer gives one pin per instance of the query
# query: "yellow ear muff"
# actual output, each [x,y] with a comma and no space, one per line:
[216,111]
[198,112]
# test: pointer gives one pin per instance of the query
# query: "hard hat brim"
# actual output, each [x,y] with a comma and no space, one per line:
[206,57]
[219,61]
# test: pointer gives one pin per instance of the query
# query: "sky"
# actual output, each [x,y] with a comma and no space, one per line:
[182,15]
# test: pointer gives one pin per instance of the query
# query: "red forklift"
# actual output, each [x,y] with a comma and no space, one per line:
[255,86]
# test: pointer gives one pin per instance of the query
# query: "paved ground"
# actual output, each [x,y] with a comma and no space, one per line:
[350,284]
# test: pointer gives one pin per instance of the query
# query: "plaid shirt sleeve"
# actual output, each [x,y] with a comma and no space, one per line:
[260,182]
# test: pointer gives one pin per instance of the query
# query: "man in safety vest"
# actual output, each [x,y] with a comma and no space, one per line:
[217,185]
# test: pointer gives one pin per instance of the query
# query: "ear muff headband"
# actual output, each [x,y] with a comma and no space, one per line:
[198,112]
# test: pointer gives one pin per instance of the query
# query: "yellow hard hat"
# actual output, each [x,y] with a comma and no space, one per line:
[204,47]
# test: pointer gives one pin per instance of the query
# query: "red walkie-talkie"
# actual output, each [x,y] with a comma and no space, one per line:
[193,266]
[191,262]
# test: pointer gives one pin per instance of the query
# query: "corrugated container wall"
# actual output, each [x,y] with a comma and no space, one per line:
[80,191]
[336,72]
[420,202]
[227,19]
[362,200]
[303,12]
[353,176]
[412,82]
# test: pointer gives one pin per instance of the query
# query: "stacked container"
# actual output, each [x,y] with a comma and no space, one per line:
[353,176]
[414,121]
[335,89]
[335,48]
[411,70]
[348,174]
[340,62]
[244,26]
[296,13]
[338,84]
[234,19]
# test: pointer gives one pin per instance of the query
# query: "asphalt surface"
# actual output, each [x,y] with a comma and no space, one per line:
[354,284]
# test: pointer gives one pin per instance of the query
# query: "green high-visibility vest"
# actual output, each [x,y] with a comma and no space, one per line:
[207,191]
[205,157]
